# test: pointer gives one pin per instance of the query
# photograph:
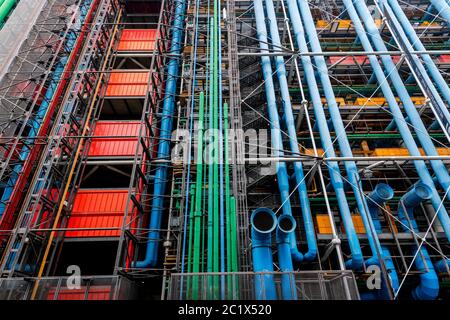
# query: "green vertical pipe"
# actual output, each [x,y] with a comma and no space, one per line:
[198,197]
[210,166]
[189,260]
[216,152]
[5,9]
[227,201]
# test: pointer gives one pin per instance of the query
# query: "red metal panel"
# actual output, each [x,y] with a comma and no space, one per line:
[127,84]
[97,209]
[444,58]
[348,61]
[121,146]
[94,293]
[137,40]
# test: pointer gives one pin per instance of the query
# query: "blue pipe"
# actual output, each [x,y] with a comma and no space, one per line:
[293,142]
[408,139]
[417,44]
[286,226]
[429,14]
[377,198]
[428,289]
[441,265]
[275,131]
[263,222]
[443,9]
[344,145]
[325,137]
[151,254]
[37,121]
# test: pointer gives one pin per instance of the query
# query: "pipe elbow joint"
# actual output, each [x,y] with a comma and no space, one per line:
[428,288]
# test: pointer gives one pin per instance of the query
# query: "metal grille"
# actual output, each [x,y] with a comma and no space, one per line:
[309,285]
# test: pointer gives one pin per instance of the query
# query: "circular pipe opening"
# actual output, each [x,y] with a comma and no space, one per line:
[286,223]
[263,220]
[384,191]
[423,191]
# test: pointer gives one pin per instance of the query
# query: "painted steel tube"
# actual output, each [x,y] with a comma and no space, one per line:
[5,9]
[311,254]
[325,137]
[417,44]
[286,226]
[428,289]
[378,197]
[275,131]
[344,145]
[402,126]
[442,8]
[413,116]
[263,222]
[40,114]
[151,254]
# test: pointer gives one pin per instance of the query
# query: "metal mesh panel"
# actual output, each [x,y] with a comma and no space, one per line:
[309,285]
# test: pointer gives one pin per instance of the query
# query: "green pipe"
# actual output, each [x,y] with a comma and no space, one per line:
[198,198]
[210,167]
[227,200]
[5,9]
[189,260]
[216,151]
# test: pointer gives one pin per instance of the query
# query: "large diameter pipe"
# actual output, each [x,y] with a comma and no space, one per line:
[263,222]
[325,137]
[286,226]
[381,194]
[344,145]
[428,289]
[399,119]
[413,116]
[293,142]
[160,181]
[443,9]
[417,43]
[275,131]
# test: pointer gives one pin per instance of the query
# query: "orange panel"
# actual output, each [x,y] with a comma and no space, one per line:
[358,224]
[97,209]
[121,146]
[127,84]
[137,40]
[94,293]
[323,224]
[403,152]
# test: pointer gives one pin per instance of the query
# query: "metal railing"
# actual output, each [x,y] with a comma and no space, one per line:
[308,285]
[68,288]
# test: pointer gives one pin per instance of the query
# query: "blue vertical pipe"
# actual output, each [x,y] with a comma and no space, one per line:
[417,44]
[325,137]
[290,125]
[377,198]
[275,131]
[402,126]
[151,254]
[344,145]
[428,289]
[40,114]
[263,222]
[286,226]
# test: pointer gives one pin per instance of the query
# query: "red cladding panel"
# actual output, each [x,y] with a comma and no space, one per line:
[125,143]
[137,40]
[97,209]
[127,84]
[94,293]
